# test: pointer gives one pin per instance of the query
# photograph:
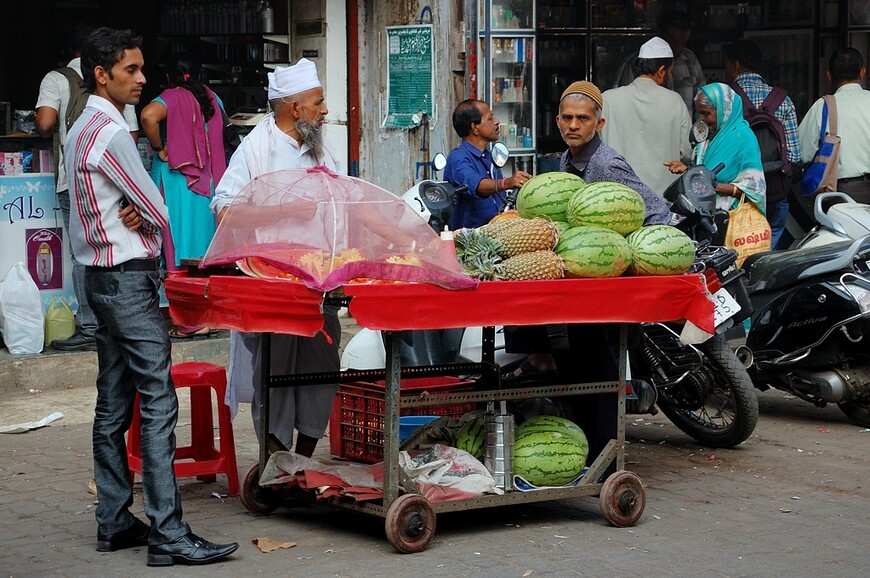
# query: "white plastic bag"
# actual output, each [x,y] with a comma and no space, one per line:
[22,319]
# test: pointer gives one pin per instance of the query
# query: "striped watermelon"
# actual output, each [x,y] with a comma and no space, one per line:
[561,226]
[546,195]
[593,252]
[605,204]
[660,250]
[551,423]
[549,458]
[472,438]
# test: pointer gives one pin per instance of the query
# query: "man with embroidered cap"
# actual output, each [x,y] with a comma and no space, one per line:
[647,123]
[290,137]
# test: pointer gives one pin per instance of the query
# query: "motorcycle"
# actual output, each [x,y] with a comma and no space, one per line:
[702,388]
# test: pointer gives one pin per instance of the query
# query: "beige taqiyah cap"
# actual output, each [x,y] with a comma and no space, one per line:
[655,47]
[587,88]
[290,80]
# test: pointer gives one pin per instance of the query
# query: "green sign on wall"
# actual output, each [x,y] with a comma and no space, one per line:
[409,74]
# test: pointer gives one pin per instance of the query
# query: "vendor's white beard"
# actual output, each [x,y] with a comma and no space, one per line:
[312,135]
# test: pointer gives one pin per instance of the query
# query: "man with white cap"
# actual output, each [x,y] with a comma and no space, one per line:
[647,123]
[289,137]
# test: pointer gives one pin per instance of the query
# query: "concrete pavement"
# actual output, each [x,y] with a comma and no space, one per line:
[791,501]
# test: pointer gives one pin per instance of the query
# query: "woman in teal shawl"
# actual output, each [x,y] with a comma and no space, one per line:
[731,142]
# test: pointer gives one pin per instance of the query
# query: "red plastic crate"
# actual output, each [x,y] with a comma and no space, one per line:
[356,424]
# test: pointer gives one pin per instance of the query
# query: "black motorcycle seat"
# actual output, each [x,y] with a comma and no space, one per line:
[777,269]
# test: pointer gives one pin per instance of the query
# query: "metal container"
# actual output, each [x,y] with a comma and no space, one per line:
[500,447]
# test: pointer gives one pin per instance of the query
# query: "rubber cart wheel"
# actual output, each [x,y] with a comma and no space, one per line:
[256,498]
[622,498]
[410,523]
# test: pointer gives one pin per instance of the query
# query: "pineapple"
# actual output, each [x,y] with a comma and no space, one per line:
[536,265]
[519,236]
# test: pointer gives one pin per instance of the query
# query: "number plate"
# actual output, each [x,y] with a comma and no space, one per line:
[724,306]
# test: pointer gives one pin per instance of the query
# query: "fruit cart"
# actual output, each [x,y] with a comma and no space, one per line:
[268,305]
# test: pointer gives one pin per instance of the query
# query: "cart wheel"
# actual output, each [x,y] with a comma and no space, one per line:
[410,523]
[256,498]
[622,498]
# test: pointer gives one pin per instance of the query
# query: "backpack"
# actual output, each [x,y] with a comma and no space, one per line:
[78,98]
[771,140]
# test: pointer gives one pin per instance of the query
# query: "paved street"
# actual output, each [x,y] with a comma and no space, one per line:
[792,501]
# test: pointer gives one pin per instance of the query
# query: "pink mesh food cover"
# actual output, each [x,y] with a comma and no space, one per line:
[328,229]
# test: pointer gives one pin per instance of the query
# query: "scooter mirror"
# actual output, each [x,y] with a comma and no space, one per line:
[700,131]
[500,154]
[439,162]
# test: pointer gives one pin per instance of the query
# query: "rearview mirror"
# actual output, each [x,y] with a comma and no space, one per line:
[500,154]
[439,162]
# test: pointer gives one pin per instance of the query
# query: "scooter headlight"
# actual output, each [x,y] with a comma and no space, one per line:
[861,293]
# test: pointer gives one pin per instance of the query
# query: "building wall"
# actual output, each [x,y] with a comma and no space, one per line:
[389,156]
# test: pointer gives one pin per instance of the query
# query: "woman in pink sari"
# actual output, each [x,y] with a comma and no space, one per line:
[188,162]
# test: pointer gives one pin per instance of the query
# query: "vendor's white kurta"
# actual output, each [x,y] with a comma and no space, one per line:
[267,149]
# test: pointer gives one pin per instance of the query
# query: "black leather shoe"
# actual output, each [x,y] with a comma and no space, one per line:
[189,549]
[135,535]
[78,342]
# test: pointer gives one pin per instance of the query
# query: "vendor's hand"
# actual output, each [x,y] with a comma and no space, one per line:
[130,216]
[163,155]
[676,167]
[517,180]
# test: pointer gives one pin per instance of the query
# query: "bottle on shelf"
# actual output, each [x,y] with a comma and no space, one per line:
[267,18]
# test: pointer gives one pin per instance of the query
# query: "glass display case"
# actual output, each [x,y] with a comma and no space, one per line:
[506,63]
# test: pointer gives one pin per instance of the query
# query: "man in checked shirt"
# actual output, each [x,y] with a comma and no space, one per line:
[115,221]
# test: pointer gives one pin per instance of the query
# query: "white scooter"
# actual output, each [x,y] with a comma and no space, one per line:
[847,220]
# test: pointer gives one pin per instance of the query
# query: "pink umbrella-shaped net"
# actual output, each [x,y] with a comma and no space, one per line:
[329,229]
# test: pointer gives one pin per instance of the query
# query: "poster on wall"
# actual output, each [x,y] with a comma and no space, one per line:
[410,75]
[31,227]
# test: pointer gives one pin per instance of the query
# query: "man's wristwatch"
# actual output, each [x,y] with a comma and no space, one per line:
[158,148]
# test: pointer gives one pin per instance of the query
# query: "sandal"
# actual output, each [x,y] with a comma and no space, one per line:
[174,333]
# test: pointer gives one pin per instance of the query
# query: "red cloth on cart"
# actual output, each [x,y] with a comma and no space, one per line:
[280,306]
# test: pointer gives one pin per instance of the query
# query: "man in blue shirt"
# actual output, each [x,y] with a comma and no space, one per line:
[470,164]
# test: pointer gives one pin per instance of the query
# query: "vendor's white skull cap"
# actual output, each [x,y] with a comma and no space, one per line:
[655,47]
[290,80]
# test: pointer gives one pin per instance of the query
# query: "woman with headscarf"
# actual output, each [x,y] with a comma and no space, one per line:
[731,142]
[188,163]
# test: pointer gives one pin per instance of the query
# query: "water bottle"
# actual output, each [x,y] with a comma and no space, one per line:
[267,18]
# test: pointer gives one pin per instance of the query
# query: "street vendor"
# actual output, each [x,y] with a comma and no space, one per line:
[290,137]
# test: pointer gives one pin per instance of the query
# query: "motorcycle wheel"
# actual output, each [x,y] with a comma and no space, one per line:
[729,411]
[857,411]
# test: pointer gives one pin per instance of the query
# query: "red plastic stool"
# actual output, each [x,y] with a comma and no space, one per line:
[208,461]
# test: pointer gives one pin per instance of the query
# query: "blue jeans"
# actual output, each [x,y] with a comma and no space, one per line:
[134,354]
[776,215]
[86,323]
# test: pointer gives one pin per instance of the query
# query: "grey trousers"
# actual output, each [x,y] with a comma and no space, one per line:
[134,355]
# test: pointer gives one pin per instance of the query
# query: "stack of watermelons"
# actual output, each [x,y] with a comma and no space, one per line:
[548,450]
[601,228]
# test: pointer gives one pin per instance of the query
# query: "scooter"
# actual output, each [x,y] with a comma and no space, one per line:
[702,388]
[812,313]
[843,221]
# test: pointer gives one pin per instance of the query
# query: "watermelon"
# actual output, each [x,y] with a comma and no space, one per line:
[472,438]
[605,204]
[561,226]
[546,195]
[660,250]
[593,252]
[549,458]
[550,423]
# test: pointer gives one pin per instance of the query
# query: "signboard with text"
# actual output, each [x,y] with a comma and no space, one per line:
[410,74]
[31,227]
